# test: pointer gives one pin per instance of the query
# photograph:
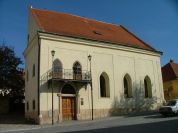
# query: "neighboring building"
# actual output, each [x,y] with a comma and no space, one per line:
[170,80]
[125,71]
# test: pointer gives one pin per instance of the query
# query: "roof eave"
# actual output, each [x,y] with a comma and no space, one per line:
[89,39]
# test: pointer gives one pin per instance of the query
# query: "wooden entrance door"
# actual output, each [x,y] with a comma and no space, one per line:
[68,108]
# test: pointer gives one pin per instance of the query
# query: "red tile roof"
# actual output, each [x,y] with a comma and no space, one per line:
[170,71]
[79,27]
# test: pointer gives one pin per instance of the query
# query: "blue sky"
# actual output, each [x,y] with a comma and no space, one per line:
[154,21]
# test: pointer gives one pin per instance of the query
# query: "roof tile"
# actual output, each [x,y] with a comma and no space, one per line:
[79,27]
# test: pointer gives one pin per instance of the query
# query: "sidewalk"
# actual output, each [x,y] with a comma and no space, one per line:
[66,125]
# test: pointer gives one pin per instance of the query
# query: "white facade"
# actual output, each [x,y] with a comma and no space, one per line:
[115,61]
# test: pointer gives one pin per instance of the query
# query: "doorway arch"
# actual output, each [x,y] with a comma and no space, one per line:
[68,89]
[68,102]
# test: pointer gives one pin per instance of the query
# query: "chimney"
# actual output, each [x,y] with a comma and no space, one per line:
[171,61]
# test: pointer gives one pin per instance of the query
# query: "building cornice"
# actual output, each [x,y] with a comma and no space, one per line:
[56,37]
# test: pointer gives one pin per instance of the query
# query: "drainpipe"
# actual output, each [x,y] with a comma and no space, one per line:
[39,50]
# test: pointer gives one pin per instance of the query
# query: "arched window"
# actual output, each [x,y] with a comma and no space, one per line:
[148,87]
[57,69]
[104,85]
[127,86]
[77,71]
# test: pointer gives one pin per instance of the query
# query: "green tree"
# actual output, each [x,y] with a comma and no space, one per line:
[11,77]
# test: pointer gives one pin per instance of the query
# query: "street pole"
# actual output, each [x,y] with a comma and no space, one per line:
[89,58]
[52,53]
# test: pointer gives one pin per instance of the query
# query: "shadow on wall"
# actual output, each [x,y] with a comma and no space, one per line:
[137,102]
[121,105]
[47,84]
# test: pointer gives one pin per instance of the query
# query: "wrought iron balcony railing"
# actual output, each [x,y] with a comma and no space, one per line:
[67,74]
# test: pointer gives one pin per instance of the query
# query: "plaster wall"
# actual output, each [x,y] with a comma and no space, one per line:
[116,63]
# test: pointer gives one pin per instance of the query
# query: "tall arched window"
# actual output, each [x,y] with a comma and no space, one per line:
[127,86]
[77,71]
[148,87]
[104,85]
[57,69]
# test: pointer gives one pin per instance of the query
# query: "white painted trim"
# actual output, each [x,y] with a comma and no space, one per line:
[68,95]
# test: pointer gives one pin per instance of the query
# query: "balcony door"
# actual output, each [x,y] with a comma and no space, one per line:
[77,71]
[57,69]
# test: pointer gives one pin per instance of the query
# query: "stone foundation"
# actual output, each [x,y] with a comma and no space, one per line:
[32,116]
[85,114]
[46,117]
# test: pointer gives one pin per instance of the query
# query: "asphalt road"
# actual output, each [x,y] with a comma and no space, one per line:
[161,127]
[154,123]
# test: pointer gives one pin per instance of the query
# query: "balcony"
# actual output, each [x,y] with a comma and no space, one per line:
[65,75]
